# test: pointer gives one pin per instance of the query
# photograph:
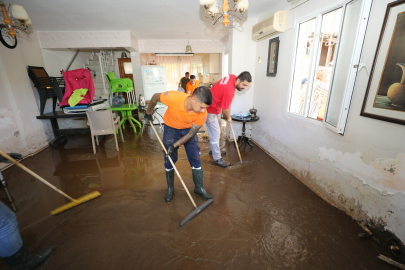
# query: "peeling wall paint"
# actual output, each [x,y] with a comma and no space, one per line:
[363,172]
[20,131]
[6,118]
[385,175]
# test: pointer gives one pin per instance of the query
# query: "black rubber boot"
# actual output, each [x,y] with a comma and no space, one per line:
[170,185]
[24,260]
[198,182]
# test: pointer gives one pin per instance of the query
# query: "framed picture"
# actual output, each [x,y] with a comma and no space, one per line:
[274,44]
[385,95]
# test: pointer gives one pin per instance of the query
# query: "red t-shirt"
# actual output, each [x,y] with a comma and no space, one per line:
[222,94]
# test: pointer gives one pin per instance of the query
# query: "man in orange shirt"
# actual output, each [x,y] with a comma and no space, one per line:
[192,85]
[185,115]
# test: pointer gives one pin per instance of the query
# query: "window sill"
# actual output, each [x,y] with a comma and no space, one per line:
[306,119]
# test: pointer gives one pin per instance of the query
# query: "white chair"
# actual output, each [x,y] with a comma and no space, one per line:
[102,123]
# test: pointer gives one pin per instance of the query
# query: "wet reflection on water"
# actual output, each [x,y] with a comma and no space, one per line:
[262,217]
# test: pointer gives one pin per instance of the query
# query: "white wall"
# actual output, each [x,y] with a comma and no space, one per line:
[361,172]
[179,46]
[56,60]
[137,72]
[242,54]
[20,131]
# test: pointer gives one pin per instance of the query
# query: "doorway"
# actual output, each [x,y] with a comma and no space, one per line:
[125,68]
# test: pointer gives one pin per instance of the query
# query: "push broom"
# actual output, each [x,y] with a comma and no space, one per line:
[198,209]
[65,207]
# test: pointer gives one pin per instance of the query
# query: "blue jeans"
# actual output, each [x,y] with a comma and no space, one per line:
[172,135]
[10,239]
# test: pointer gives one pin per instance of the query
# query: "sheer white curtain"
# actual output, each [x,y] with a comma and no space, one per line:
[176,67]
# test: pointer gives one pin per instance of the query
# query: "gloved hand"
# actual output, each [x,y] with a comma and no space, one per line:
[16,156]
[170,151]
[148,118]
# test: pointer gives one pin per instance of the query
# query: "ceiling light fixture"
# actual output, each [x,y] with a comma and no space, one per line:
[188,47]
[12,24]
[212,10]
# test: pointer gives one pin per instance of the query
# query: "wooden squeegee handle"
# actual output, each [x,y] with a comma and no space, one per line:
[236,143]
[171,161]
[36,175]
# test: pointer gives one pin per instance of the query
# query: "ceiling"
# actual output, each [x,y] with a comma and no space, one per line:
[146,19]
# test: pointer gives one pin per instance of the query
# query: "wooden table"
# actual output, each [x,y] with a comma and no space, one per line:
[60,134]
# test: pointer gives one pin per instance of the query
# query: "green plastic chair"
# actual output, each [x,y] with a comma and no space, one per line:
[121,85]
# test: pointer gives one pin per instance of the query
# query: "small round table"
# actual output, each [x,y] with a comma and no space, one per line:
[243,138]
[126,111]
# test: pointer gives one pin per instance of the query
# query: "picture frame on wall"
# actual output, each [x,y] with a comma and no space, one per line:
[272,61]
[385,94]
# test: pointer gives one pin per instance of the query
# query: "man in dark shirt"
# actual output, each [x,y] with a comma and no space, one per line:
[184,81]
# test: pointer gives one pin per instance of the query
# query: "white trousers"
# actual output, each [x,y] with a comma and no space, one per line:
[213,125]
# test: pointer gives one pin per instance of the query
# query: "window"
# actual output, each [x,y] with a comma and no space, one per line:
[196,69]
[327,54]
[176,67]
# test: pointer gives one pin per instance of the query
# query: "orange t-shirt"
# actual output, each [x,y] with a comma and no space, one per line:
[176,115]
[191,87]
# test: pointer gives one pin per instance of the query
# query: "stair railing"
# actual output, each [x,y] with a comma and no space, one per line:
[106,65]
[71,61]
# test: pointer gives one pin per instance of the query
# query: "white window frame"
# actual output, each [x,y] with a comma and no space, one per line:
[355,62]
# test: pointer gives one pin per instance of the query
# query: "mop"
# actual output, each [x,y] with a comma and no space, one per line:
[237,148]
[198,209]
[65,207]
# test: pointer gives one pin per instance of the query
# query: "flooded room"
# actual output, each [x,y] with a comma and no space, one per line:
[229,134]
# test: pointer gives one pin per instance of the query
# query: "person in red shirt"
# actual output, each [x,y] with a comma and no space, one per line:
[185,115]
[222,95]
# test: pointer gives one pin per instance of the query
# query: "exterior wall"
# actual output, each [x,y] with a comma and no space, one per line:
[361,172]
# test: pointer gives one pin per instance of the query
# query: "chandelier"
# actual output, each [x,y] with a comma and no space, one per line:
[188,47]
[13,23]
[212,10]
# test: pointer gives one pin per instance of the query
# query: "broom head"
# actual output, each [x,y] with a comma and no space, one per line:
[81,200]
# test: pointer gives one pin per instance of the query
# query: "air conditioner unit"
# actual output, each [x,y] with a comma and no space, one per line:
[270,26]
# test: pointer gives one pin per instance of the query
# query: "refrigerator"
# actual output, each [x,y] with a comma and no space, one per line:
[154,81]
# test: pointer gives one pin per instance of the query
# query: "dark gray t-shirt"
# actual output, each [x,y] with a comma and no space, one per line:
[184,81]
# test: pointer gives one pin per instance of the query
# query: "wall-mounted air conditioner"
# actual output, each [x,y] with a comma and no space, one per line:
[270,26]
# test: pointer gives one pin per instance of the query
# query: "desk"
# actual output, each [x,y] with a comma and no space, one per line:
[60,134]
[243,138]
[126,111]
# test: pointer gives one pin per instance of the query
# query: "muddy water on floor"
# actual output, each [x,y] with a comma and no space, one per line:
[262,217]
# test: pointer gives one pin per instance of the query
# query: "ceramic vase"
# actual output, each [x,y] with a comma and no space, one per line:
[396,92]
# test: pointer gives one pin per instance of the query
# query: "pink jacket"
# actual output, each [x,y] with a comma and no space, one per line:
[76,79]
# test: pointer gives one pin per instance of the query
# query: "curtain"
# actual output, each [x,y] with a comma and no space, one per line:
[176,67]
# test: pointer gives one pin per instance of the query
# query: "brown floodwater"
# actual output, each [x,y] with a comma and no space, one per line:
[262,216]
